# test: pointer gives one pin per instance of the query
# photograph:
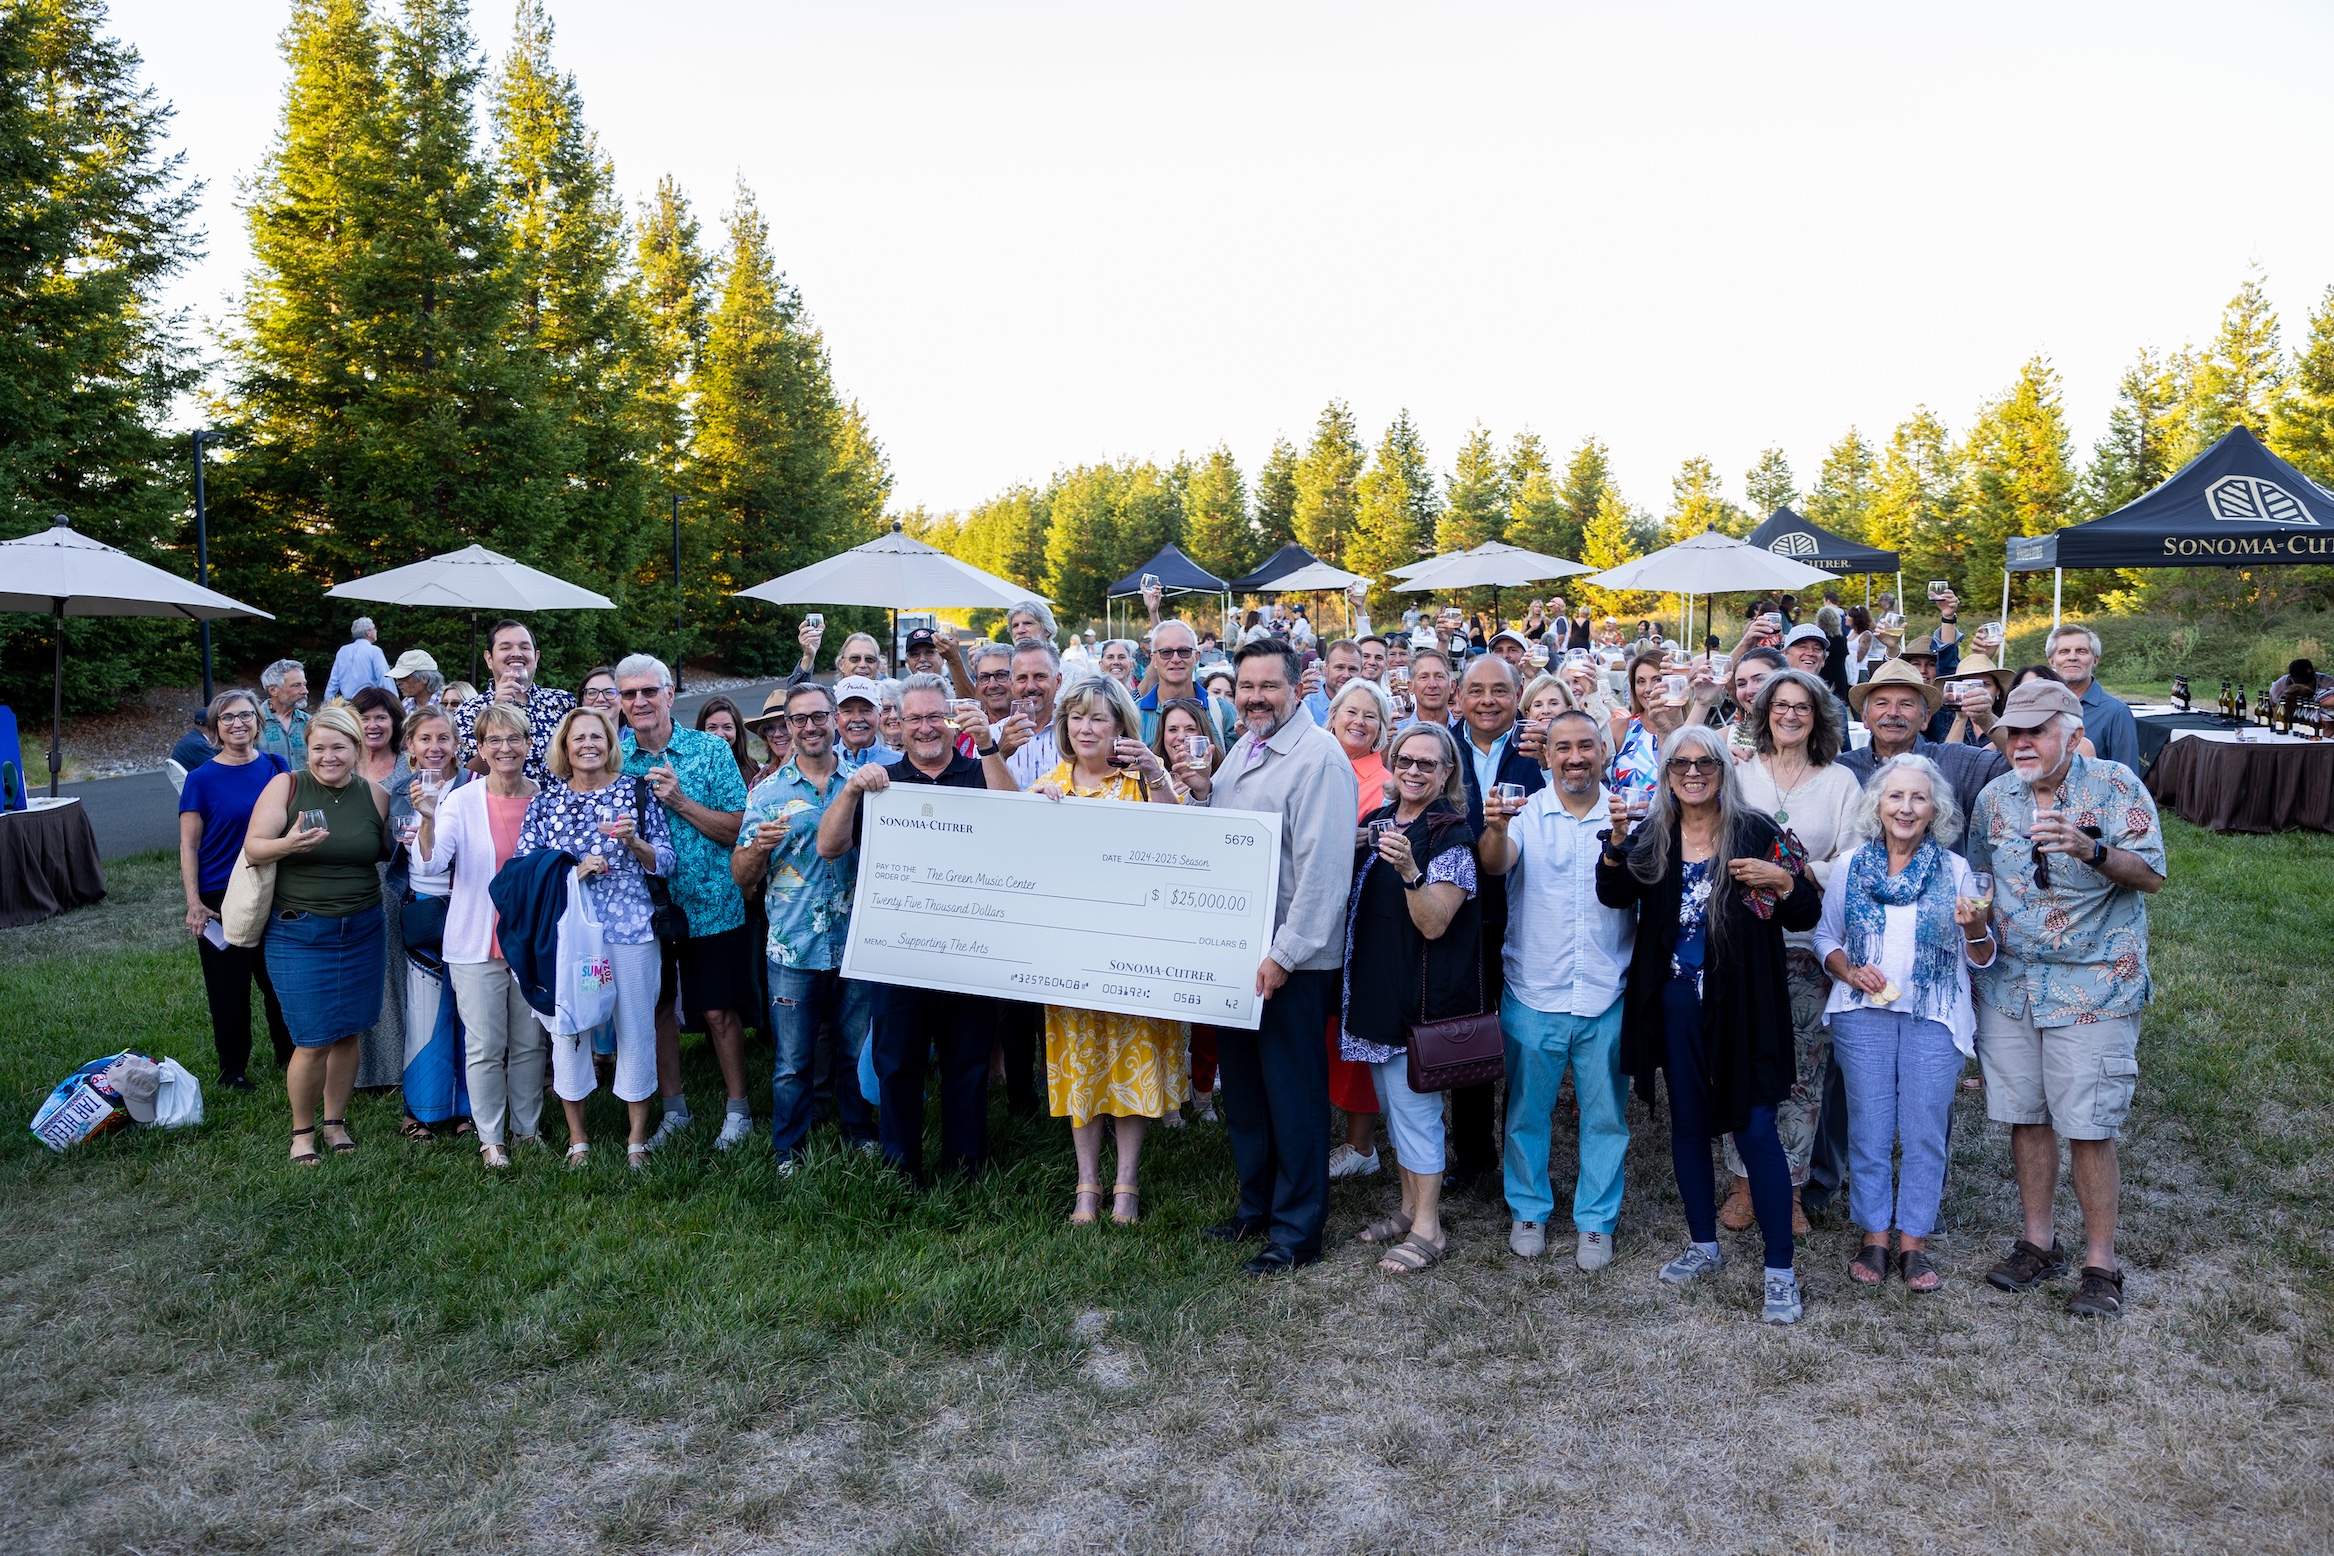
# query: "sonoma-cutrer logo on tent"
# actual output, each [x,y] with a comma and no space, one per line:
[2253,499]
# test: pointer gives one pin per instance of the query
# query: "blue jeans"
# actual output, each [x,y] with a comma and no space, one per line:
[1539,1048]
[1900,1071]
[1689,1136]
[801,1002]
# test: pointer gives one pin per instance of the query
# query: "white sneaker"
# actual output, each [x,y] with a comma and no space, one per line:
[1595,1250]
[1529,1239]
[1346,1162]
[1691,1266]
[1172,1118]
[1782,1304]
[1207,1108]
[666,1128]
[734,1127]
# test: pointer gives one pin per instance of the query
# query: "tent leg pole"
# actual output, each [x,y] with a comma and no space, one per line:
[474,676]
[2058,578]
[57,703]
[2005,608]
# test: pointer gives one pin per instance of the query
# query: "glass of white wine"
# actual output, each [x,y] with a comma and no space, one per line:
[1981,891]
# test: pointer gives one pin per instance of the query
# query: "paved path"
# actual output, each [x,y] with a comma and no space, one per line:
[138,814]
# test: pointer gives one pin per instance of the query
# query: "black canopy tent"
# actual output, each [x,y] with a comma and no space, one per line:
[2234,505]
[1787,534]
[1177,574]
[1288,559]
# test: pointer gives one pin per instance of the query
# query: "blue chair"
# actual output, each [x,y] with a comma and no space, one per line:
[12,796]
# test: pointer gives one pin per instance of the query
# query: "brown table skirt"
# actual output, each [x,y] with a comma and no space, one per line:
[2226,786]
[48,863]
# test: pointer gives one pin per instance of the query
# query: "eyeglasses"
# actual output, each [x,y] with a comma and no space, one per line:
[925,720]
[1417,764]
[807,720]
[639,693]
[1794,710]
[994,675]
[506,742]
[1693,764]
[245,717]
[1173,653]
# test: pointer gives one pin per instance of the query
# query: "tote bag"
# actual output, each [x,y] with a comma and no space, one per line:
[251,891]
[585,985]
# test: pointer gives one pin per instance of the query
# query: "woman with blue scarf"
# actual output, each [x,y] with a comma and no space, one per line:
[1903,922]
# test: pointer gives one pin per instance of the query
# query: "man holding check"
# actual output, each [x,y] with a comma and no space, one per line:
[1276,1096]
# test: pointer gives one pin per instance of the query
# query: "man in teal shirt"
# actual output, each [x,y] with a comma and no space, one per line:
[694,776]
[283,723]
[808,900]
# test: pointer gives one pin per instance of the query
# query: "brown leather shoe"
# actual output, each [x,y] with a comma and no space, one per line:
[1799,1226]
[1736,1214]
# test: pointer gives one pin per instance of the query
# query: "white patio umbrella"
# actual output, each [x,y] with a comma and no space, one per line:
[1320,578]
[473,579]
[60,572]
[893,572]
[1492,565]
[1710,563]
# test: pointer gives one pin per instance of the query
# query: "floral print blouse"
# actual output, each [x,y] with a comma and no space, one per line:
[570,821]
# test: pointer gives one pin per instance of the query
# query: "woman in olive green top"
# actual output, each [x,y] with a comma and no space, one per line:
[324,943]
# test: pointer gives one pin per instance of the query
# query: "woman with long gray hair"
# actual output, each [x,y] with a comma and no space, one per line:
[1707,1001]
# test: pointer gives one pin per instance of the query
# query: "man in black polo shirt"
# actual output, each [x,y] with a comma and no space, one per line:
[909,1022]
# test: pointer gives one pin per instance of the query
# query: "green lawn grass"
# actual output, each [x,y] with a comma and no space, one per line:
[397,1351]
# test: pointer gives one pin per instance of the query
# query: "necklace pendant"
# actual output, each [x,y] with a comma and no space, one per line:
[1782,818]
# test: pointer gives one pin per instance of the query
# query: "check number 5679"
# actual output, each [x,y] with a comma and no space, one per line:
[1240,839]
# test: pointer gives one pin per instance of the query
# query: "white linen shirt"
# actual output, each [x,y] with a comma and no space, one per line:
[1950,1008]
[1565,953]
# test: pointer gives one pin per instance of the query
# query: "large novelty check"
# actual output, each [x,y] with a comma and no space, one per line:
[1150,910]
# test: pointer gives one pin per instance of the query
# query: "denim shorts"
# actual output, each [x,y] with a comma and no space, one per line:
[327,973]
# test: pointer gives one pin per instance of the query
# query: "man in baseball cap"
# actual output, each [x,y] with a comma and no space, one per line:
[2075,851]
[857,704]
[922,652]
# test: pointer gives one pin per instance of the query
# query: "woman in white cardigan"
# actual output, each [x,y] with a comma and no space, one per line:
[472,832]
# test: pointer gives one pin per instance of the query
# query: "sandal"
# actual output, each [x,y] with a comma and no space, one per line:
[1870,1266]
[464,1128]
[1413,1254]
[1389,1229]
[339,1147]
[1920,1271]
[494,1156]
[1117,1193]
[1080,1217]
[414,1129]
[636,1156]
[307,1158]
[579,1155]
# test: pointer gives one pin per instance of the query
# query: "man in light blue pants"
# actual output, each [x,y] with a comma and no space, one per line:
[1566,957]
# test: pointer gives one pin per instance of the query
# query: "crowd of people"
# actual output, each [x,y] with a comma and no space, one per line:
[1787,892]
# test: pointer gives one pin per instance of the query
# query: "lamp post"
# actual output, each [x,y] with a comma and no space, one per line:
[680,643]
[202,557]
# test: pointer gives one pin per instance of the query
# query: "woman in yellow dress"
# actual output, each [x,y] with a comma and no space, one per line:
[1129,1067]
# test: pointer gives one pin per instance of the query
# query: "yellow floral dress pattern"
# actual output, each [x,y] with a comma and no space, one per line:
[1100,1062]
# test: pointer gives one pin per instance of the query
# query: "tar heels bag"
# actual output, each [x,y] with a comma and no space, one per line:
[585,983]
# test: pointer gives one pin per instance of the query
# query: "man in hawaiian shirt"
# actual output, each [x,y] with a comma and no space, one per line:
[694,776]
[2074,850]
[511,657]
[808,901]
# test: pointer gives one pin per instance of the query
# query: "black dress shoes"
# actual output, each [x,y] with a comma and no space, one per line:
[1236,1230]
[1275,1259]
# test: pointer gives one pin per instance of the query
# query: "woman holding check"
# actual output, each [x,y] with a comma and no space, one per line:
[1100,1062]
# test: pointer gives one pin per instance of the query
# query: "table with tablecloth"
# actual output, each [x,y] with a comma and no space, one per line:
[2246,781]
[48,861]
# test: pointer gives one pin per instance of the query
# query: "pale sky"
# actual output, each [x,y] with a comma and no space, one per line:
[1039,235]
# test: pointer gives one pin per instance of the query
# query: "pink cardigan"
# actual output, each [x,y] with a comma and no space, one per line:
[465,845]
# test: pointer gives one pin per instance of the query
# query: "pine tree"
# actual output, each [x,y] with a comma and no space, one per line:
[1842,499]
[1394,506]
[1611,540]
[94,217]
[1005,535]
[2302,428]
[1326,479]
[784,470]
[2018,464]
[1698,503]
[673,293]
[1588,476]
[2234,382]
[1769,485]
[1916,504]
[383,415]
[575,311]
[2129,461]
[1215,516]
[1082,544]
[1476,501]
[1150,516]
[1537,518]
[1276,501]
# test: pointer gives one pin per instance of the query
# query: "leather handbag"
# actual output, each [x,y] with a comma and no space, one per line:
[1457,1050]
[667,919]
[421,921]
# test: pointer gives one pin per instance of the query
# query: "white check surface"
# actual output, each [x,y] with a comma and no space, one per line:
[1148,910]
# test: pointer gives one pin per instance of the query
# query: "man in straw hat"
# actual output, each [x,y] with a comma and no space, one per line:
[1897,705]
[2075,851]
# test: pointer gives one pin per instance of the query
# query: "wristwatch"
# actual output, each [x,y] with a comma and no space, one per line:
[1414,885]
[986,751]
[2098,852]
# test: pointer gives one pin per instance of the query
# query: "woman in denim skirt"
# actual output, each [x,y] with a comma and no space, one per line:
[325,947]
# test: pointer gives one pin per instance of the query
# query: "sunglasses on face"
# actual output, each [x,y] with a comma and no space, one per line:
[1173,653]
[2042,860]
[1417,764]
[1693,764]
[639,693]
